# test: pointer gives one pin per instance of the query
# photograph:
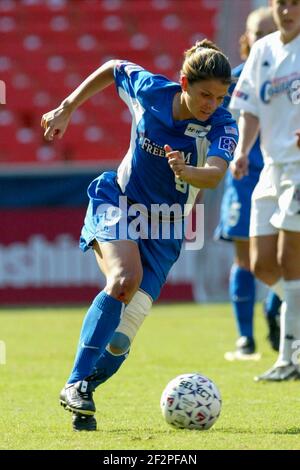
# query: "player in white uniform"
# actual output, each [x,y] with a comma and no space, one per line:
[235,220]
[268,96]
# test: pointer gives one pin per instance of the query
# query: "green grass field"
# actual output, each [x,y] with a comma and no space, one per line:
[175,339]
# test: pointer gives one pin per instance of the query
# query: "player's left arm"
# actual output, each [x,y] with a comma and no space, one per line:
[223,141]
[208,176]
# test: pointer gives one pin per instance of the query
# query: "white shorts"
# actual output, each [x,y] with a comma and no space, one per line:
[275,202]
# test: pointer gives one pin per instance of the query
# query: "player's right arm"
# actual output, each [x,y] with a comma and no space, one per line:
[55,122]
[245,99]
[248,132]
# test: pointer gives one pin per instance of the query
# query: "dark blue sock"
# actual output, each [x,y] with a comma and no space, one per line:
[99,324]
[106,366]
[272,305]
[242,295]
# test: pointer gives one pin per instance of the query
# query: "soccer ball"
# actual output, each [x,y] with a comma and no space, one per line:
[191,401]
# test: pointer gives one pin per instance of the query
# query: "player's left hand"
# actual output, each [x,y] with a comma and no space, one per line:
[176,161]
[298,136]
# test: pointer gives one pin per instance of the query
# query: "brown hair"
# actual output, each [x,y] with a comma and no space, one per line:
[244,47]
[262,13]
[205,61]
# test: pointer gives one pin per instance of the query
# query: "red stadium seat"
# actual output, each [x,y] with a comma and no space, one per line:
[47,47]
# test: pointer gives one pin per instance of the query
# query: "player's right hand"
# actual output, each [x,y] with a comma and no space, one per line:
[239,166]
[176,161]
[55,123]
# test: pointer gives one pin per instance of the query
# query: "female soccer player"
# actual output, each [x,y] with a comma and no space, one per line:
[181,141]
[267,94]
[235,220]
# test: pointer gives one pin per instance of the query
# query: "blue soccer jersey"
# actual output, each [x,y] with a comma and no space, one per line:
[144,174]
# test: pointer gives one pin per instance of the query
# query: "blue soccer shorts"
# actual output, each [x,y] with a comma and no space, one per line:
[107,220]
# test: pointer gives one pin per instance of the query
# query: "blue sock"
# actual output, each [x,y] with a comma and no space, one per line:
[242,295]
[106,366]
[272,305]
[99,324]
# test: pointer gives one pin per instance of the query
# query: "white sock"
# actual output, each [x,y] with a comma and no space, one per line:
[290,323]
[278,288]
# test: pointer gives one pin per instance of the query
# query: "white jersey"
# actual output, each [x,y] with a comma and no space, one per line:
[269,88]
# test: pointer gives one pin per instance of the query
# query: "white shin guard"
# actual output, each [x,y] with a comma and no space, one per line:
[133,316]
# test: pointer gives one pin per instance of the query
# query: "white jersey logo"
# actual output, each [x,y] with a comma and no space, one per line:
[197,131]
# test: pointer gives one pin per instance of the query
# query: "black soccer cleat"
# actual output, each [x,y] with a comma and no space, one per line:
[245,351]
[78,397]
[82,422]
[245,345]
